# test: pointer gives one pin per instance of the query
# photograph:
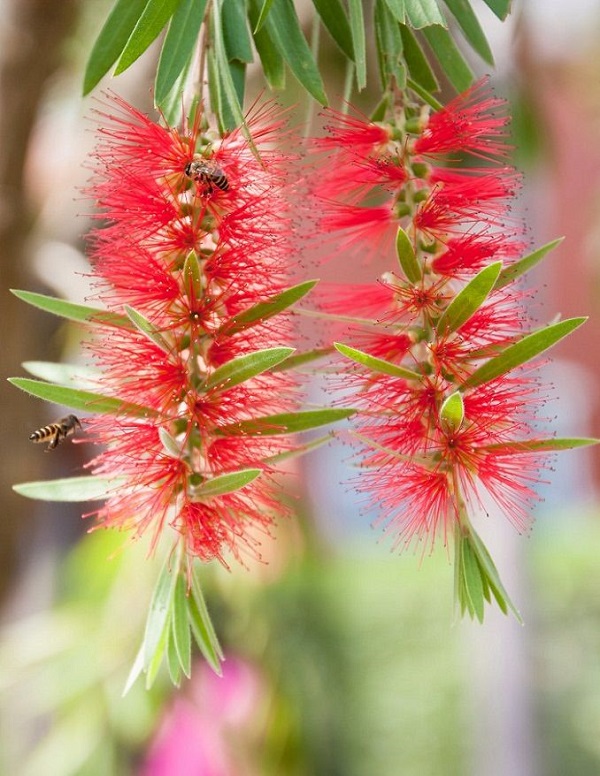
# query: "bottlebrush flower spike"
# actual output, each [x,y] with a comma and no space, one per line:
[446,404]
[192,266]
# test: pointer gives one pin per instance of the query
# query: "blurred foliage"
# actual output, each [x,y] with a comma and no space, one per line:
[364,669]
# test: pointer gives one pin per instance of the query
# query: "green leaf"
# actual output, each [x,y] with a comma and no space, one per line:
[225,483]
[525,349]
[416,61]
[75,374]
[230,107]
[263,310]
[299,450]
[235,31]
[73,312]
[389,48]
[469,24]
[202,627]
[333,16]
[551,444]
[136,670]
[112,40]
[242,368]
[172,659]
[264,12]
[514,271]
[500,7]
[154,17]
[423,13]
[376,364]
[80,400]
[143,325]
[170,106]
[272,62]
[180,626]
[470,580]
[285,32]
[159,613]
[466,303]
[70,489]
[449,56]
[490,574]
[293,362]
[357,29]
[452,412]
[397,9]
[179,45]
[285,422]
[407,257]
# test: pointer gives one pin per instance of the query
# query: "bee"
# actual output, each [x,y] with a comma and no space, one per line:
[53,433]
[207,172]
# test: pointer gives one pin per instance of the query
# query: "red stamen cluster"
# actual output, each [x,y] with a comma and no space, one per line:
[198,231]
[423,466]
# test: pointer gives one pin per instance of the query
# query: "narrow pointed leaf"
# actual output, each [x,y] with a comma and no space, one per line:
[407,257]
[357,29]
[179,45]
[299,359]
[271,60]
[469,24]
[500,7]
[397,9]
[264,12]
[150,24]
[488,568]
[522,351]
[159,612]
[542,445]
[267,309]
[376,364]
[172,660]
[70,489]
[72,311]
[202,627]
[237,40]
[299,450]
[240,369]
[230,108]
[181,626]
[155,662]
[285,422]
[76,375]
[471,580]
[136,669]
[143,325]
[333,15]
[80,400]
[112,40]
[170,105]
[466,303]
[514,271]
[416,61]
[423,13]
[285,32]
[389,52]
[192,276]
[449,56]
[225,483]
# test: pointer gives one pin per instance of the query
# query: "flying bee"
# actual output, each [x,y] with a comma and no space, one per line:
[207,172]
[53,433]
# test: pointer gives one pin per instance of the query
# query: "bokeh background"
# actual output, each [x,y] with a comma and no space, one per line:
[343,659]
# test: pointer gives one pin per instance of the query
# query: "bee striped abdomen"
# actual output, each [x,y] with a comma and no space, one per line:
[207,172]
[53,433]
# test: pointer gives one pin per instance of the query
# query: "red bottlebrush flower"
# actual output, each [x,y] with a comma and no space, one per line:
[198,232]
[422,463]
